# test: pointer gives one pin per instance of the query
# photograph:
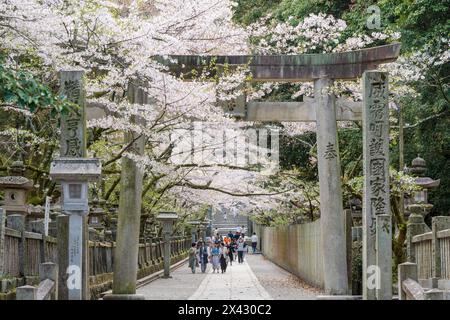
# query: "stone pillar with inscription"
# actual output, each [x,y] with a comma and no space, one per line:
[331,210]
[377,247]
[73,123]
[73,145]
[127,244]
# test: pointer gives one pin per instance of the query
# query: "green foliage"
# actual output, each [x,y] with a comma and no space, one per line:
[420,22]
[19,88]
[302,8]
[249,11]
[423,24]
[295,152]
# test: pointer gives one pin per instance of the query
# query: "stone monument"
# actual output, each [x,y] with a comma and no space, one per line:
[167,219]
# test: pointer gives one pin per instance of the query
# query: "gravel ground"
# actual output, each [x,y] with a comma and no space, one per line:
[279,283]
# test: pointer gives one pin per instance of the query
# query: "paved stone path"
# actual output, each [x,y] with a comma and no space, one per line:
[237,283]
[256,279]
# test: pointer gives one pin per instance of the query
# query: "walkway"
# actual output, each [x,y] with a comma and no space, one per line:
[256,279]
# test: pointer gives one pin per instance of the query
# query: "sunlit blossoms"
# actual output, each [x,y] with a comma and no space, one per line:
[115,44]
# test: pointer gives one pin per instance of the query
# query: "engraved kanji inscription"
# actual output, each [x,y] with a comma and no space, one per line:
[330,151]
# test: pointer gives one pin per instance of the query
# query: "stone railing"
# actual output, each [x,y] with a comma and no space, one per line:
[47,288]
[431,253]
[410,288]
[150,260]
[22,253]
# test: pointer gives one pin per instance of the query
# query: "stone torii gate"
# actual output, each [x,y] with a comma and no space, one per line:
[325,110]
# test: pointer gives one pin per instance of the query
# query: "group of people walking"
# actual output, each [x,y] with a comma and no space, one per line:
[220,252]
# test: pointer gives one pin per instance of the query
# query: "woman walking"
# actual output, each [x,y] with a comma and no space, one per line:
[240,250]
[223,257]
[203,255]
[230,248]
[215,254]
[193,257]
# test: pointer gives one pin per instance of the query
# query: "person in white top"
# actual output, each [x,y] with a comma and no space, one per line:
[239,229]
[254,242]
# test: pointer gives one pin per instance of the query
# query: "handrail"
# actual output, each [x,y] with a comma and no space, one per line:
[413,290]
[443,234]
[422,237]
[47,288]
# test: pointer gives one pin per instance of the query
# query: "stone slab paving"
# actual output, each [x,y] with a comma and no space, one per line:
[237,283]
[256,279]
[180,287]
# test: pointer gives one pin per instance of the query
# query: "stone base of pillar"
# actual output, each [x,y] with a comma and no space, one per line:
[113,296]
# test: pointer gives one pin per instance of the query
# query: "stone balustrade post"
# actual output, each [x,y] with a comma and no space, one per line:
[434,294]
[151,252]
[26,293]
[2,242]
[62,225]
[407,270]
[148,250]
[383,246]
[160,251]
[49,270]
[416,226]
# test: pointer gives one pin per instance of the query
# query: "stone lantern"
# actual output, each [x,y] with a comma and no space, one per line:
[194,225]
[167,219]
[417,206]
[355,205]
[35,212]
[203,227]
[16,188]
[419,203]
[74,174]
[96,215]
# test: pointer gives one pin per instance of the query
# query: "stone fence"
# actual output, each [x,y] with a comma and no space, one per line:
[47,288]
[295,248]
[22,252]
[431,253]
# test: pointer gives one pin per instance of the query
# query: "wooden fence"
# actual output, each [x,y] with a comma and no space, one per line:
[22,252]
[424,254]
[295,248]
[444,245]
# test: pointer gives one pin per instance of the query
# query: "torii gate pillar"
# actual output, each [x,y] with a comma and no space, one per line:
[331,210]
